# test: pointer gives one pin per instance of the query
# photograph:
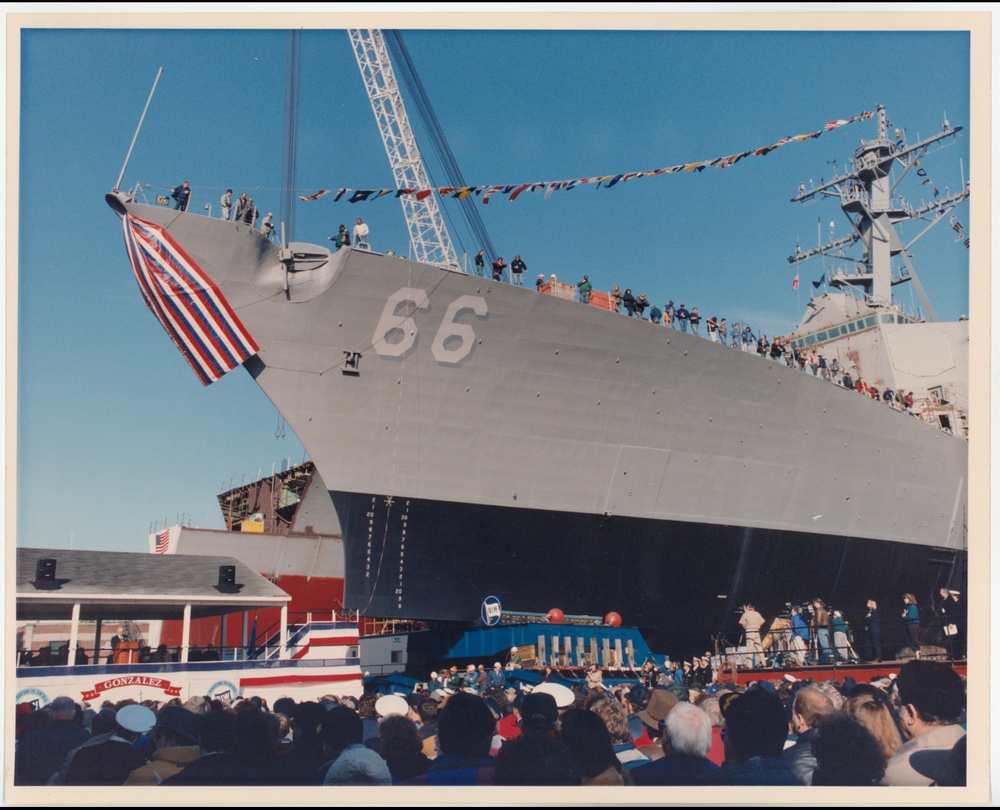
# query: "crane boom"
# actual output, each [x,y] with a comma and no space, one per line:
[429,237]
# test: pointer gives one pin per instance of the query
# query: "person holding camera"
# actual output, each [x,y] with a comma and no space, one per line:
[800,636]
[821,624]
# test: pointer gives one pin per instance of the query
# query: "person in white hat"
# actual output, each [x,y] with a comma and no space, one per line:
[110,761]
[952,623]
[495,679]
[564,697]
[514,662]
[389,705]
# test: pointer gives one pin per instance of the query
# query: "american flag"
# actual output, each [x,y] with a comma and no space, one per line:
[162,542]
[795,282]
[186,302]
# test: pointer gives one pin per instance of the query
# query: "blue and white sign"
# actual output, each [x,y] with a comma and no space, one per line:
[491,611]
[36,697]
[225,691]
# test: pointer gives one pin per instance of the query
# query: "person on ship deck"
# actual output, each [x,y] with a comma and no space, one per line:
[360,234]
[181,194]
[517,268]
[629,301]
[498,267]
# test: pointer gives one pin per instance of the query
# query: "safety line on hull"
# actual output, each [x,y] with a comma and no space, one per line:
[409,283]
[955,511]
[395,453]
[363,347]
[371,345]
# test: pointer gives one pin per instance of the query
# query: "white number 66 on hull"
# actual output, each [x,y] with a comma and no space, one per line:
[453,342]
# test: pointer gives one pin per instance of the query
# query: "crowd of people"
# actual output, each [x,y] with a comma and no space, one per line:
[243,210]
[360,234]
[813,633]
[736,335]
[905,730]
[719,330]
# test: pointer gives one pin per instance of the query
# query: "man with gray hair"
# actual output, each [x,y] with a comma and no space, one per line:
[687,738]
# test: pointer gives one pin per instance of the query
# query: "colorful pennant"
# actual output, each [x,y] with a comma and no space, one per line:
[513,190]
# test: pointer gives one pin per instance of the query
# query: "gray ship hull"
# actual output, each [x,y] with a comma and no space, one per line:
[479,439]
[683,583]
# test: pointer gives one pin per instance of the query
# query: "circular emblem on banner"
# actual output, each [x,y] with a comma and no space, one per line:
[34,696]
[491,611]
[225,691]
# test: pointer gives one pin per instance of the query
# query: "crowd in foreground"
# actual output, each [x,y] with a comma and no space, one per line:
[900,731]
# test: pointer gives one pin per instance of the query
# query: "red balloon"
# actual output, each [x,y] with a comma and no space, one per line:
[613,619]
[556,616]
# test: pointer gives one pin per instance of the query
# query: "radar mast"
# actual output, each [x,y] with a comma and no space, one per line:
[868,199]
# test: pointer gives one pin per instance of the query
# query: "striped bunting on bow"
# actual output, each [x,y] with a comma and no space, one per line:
[186,302]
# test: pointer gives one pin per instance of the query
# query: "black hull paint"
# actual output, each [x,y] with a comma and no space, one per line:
[683,583]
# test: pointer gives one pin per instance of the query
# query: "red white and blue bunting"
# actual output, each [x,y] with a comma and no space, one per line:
[186,302]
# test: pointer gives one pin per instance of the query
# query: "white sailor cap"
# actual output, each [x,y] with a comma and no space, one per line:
[388,705]
[563,695]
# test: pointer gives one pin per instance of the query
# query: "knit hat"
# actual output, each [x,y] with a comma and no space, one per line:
[679,691]
[197,704]
[358,765]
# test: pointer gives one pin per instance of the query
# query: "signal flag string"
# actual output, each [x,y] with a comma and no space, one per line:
[513,190]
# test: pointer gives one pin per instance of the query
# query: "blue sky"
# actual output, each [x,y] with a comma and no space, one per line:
[114,431]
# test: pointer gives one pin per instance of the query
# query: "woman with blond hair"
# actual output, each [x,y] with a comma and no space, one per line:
[873,643]
[872,711]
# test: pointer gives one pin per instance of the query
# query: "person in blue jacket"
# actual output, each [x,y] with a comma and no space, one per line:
[800,636]
[495,678]
[911,618]
[181,194]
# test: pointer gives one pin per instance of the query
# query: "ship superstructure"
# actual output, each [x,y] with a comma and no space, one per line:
[857,320]
[610,464]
